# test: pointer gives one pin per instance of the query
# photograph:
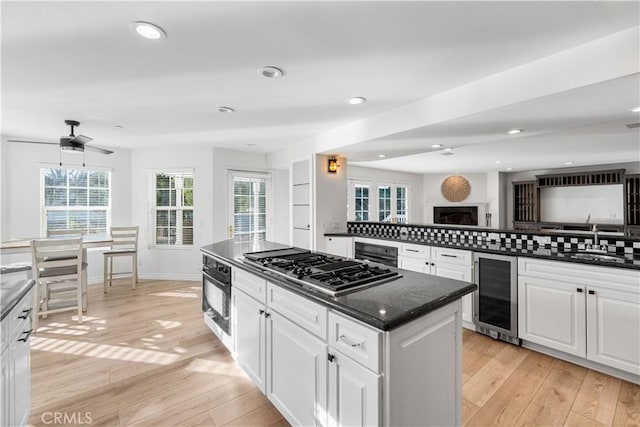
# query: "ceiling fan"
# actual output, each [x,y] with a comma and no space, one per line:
[71,142]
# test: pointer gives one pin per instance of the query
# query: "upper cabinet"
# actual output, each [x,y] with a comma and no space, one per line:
[548,203]
[632,205]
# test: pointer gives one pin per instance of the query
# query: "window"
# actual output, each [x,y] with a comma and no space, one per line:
[173,200]
[384,203]
[249,205]
[75,200]
[389,202]
[361,202]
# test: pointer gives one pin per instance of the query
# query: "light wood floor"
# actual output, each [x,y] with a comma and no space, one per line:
[145,358]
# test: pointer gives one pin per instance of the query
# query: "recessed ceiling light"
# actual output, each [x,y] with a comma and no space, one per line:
[225,110]
[636,110]
[497,162]
[514,131]
[356,100]
[436,146]
[382,156]
[568,163]
[148,30]
[271,72]
[509,169]
[448,149]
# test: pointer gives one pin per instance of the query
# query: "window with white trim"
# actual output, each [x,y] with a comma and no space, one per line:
[75,199]
[173,208]
[388,202]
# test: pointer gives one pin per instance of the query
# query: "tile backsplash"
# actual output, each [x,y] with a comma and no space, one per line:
[476,236]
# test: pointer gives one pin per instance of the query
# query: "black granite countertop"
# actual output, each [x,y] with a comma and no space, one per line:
[622,261]
[385,306]
[11,292]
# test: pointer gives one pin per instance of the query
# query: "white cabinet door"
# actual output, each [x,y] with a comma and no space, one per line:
[340,246]
[249,337]
[458,272]
[552,313]
[20,366]
[414,264]
[613,325]
[296,372]
[354,393]
[6,394]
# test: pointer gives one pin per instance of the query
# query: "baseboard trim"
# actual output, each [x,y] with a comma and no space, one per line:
[150,276]
[618,373]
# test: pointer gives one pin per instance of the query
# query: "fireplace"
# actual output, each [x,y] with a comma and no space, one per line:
[458,215]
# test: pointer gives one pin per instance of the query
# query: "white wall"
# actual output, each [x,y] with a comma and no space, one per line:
[21,164]
[329,200]
[432,195]
[415,181]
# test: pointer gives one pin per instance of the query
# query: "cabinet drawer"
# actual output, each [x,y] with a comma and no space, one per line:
[357,341]
[301,311]
[250,284]
[451,256]
[18,325]
[415,251]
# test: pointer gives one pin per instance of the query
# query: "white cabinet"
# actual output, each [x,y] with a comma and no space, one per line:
[587,311]
[340,246]
[296,372]
[443,262]
[354,393]
[552,313]
[249,336]
[16,364]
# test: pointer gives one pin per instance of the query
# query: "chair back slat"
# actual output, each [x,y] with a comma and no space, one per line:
[125,237]
[65,232]
[55,253]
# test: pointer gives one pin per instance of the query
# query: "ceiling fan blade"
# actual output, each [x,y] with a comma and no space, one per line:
[81,139]
[98,149]
[31,142]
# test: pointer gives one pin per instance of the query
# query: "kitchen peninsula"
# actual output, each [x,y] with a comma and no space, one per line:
[388,354]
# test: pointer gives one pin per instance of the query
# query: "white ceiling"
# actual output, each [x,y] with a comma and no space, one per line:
[79,60]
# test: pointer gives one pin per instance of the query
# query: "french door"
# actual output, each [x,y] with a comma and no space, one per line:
[249,205]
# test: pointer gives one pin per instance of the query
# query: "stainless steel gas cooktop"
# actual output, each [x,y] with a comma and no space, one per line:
[327,273]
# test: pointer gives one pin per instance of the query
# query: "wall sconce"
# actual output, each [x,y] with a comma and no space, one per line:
[332,165]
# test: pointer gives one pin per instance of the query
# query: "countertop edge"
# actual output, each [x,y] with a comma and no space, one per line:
[24,286]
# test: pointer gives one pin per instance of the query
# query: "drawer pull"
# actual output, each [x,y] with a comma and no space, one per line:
[592,292]
[261,311]
[25,313]
[579,290]
[449,256]
[26,337]
[412,250]
[348,341]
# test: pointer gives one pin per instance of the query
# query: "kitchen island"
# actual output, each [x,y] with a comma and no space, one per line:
[389,354]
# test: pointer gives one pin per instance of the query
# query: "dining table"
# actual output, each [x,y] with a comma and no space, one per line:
[23,245]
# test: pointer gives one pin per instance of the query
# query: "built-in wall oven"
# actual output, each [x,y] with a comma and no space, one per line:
[216,292]
[496,300]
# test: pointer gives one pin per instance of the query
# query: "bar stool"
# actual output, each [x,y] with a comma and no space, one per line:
[125,243]
[58,270]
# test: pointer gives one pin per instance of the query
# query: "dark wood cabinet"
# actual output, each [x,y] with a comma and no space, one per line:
[525,205]
[632,205]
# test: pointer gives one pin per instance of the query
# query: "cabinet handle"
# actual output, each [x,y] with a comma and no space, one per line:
[26,337]
[412,250]
[433,264]
[330,357]
[261,311]
[25,313]
[348,341]
[592,292]
[267,315]
[449,256]
[579,290]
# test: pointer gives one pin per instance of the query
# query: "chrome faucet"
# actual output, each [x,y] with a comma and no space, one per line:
[596,237]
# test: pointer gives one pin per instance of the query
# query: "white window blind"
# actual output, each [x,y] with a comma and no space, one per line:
[173,208]
[250,207]
[75,199]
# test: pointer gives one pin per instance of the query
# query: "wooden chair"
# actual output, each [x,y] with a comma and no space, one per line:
[58,269]
[125,243]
